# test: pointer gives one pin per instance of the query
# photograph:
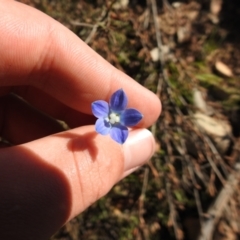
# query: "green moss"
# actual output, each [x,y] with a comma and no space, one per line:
[207,79]
[213,41]
[180,196]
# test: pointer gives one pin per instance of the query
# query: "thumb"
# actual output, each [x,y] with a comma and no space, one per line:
[49,181]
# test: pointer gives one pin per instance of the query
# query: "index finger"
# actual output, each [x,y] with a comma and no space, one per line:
[36,50]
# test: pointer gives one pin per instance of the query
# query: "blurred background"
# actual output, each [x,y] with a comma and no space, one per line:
[188,53]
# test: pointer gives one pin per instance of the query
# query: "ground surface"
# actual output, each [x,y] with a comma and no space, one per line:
[191,184]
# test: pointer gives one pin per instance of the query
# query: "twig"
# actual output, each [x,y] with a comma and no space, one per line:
[183,152]
[162,74]
[100,22]
[176,228]
[158,34]
[212,148]
[217,155]
[216,210]
[207,140]
[92,33]
[201,176]
[81,24]
[167,4]
[196,195]
[141,204]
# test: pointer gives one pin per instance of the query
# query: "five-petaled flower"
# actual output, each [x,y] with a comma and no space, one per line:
[114,118]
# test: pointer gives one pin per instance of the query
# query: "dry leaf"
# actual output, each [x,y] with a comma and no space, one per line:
[223,69]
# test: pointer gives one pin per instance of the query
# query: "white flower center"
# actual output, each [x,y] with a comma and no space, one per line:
[113,118]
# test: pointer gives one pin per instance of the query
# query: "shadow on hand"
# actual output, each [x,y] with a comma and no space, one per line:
[81,142]
[35,196]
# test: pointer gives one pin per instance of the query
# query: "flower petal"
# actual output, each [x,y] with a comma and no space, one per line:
[119,133]
[102,126]
[130,117]
[100,109]
[118,101]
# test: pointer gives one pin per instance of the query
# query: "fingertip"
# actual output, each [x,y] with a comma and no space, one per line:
[150,110]
[138,149]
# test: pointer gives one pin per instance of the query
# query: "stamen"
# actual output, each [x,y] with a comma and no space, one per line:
[114,118]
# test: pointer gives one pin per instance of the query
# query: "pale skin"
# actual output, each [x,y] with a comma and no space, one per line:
[48,176]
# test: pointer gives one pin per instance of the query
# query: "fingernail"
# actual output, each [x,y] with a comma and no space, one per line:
[138,148]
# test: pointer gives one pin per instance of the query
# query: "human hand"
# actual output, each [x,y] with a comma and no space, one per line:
[48,175]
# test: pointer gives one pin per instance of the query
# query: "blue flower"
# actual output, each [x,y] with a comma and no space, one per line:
[114,118]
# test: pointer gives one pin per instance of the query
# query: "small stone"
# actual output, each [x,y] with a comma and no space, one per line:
[176,4]
[155,52]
